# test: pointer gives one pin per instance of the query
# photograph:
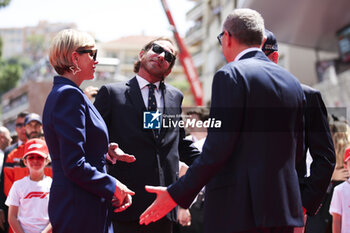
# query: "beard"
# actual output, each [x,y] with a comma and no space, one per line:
[33,135]
[153,69]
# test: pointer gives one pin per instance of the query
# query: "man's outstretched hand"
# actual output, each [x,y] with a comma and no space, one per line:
[116,154]
[163,204]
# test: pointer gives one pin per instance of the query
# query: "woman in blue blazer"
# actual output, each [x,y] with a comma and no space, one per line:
[77,139]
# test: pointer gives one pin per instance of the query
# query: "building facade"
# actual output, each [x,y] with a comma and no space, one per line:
[32,42]
[127,49]
[207,17]
[29,97]
[116,63]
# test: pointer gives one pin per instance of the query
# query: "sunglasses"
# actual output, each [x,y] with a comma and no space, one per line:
[91,52]
[19,125]
[219,37]
[169,57]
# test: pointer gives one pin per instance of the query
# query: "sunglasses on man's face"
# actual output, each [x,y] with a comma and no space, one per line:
[19,125]
[91,52]
[219,37]
[169,57]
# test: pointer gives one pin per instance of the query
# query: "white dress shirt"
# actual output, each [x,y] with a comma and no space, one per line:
[2,154]
[144,91]
[241,54]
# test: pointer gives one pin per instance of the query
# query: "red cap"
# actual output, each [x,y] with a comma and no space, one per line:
[347,154]
[36,146]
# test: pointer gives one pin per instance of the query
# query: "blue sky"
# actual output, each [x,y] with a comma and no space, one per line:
[108,19]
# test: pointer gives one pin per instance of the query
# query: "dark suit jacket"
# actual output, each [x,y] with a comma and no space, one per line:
[318,140]
[250,161]
[77,138]
[9,149]
[157,161]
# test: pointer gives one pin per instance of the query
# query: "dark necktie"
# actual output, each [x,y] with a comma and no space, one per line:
[152,104]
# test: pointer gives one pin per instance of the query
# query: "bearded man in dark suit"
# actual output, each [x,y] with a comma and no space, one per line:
[157,151]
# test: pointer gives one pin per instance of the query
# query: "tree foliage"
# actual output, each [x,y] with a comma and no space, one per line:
[35,45]
[4,3]
[9,75]
[1,44]
[23,61]
[10,70]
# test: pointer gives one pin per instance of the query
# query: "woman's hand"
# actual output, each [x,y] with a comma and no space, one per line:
[122,197]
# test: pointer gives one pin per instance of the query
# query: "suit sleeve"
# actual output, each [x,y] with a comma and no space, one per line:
[219,143]
[320,145]
[103,104]
[2,194]
[70,126]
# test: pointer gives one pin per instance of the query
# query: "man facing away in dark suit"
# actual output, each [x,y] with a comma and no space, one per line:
[249,163]
[318,142]
[157,151]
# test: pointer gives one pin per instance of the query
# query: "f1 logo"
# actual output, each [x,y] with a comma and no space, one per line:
[41,195]
[151,120]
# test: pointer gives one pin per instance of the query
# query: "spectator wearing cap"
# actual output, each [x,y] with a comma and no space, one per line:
[29,197]
[33,126]
[33,129]
[15,168]
[340,208]
[270,46]
[318,142]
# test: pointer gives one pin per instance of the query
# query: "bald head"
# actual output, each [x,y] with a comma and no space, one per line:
[5,138]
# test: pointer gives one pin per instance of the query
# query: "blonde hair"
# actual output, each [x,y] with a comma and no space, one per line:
[64,44]
[341,139]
